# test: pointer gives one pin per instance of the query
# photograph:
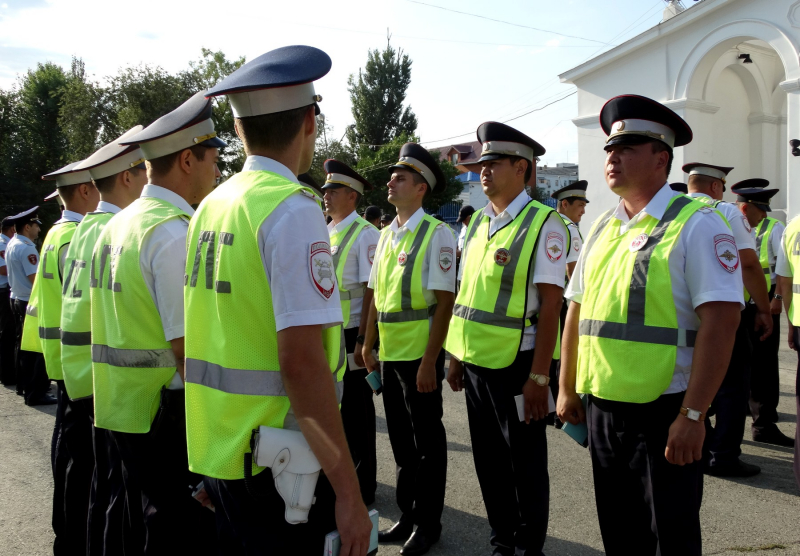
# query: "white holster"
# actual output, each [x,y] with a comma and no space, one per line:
[294,466]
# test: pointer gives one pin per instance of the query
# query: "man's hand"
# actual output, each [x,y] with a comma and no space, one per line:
[426,377]
[764,324]
[204,499]
[354,526]
[358,357]
[569,408]
[685,441]
[535,401]
[455,375]
[368,360]
[791,337]
[775,306]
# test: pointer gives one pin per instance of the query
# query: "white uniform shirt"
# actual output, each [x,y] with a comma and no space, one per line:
[547,268]
[285,240]
[358,265]
[774,247]
[697,275]
[434,277]
[104,206]
[4,239]
[22,260]
[782,267]
[576,243]
[462,235]
[742,231]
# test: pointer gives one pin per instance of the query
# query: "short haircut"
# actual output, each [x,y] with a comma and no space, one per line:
[659,147]
[106,185]
[162,165]
[273,132]
[528,170]
[417,179]
[699,180]
[570,200]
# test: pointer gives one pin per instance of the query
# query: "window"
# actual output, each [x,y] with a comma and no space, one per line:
[454,158]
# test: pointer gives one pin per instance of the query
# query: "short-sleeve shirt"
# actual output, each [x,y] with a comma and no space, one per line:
[774,247]
[546,269]
[284,240]
[434,277]
[357,265]
[575,240]
[696,274]
[782,267]
[742,231]
[462,235]
[4,239]
[22,260]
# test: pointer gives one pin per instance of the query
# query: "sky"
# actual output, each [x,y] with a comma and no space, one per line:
[466,69]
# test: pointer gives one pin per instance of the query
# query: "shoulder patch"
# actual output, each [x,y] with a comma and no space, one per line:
[576,244]
[727,254]
[320,265]
[33,259]
[747,225]
[371,253]
[554,246]
[446,259]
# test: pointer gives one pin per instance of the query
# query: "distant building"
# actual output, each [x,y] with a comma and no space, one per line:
[552,178]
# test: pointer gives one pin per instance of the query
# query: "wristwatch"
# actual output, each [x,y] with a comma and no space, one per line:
[360,340]
[693,414]
[541,380]
[778,296]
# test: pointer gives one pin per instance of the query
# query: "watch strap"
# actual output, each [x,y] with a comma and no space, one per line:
[541,380]
[685,412]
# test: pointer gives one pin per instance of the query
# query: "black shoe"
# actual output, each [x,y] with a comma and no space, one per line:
[773,435]
[44,399]
[418,544]
[400,531]
[736,469]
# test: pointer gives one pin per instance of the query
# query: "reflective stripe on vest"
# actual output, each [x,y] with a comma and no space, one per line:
[610,352]
[342,246]
[133,358]
[489,313]
[233,383]
[403,327]
[791,246]
[76,312]
[763,236]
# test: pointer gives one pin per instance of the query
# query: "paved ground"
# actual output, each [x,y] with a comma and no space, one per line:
[730,506]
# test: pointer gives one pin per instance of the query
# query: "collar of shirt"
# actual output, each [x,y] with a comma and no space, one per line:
[23,239]
[69,216]
[655,208]
[264,164]
[104,206]
[697,195]
[158,192]
[567,220]
[5,238]
[335,229]
[410,225]
[511,211]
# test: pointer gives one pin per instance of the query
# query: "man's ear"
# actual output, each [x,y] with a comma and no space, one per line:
[236,128]
[186,160]
[310,122]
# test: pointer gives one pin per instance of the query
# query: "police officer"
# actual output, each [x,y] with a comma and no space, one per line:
[504,330]
[353,244]
[655,300]
[464,217]
[71,454]
[753,201]
[138,327]
[413,279]
[680,187]
[22,261]
[264,335]
[372,214]
[8,373]
[724,439]
[386,220]
[787,270]
[571,207]
[118,174]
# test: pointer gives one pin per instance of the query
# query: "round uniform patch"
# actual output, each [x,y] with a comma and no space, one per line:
[321,268]
[502,257]
[402,258]
[638,242]
[727,254]
[33,259]
[554,246]
[334,249]
[445,259]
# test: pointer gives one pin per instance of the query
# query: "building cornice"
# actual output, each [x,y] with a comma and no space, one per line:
[692,104]
[790,86]
[761,118]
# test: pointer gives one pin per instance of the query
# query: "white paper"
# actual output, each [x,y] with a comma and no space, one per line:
[351,360]
[520,401]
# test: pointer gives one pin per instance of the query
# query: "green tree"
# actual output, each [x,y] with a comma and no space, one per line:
[7,138]
[377,97]
[328,147]
[82,112]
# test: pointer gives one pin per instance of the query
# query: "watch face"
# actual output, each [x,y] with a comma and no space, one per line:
[693,414]
[540,380]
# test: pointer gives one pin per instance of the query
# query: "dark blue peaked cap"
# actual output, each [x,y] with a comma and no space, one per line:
[416,158]
[756,196]
[188,125]
[680,187]
[501,140]
[634,119]
[340,174]
[752,183]
[280,80]
[26,216]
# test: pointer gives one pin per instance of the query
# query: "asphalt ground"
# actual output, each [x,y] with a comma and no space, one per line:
[756,515]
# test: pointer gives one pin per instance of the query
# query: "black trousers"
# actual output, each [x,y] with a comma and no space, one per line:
[510,458]
[797,402]
[646,506]
[32,379]
[723,444]
[73,469]
[419,443]
[8,335]
[764,380]
[123,530]
[358,417]
[172,521]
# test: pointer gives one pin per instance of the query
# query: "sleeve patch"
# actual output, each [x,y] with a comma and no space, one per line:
[321,268]
[33,259]
[554,246]
[576,244]
[446,259]
[371,253]
[727,254]
[747,225]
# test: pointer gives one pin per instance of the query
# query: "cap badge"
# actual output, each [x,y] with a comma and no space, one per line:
[618,126]
[638,242]
[502,257]
[402,258]
[317,98]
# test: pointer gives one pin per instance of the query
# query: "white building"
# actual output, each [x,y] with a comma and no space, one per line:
[730,68]
[553,178]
